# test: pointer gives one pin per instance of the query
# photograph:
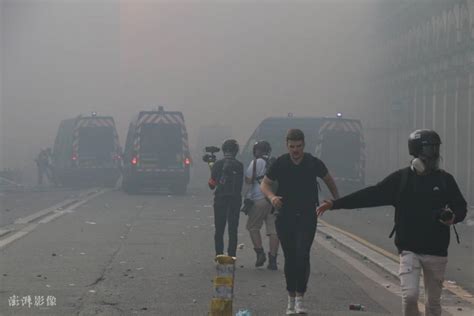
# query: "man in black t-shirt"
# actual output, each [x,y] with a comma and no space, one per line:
[296,200]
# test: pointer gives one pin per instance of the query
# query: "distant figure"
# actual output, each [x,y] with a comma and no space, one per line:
[427,202]
[49,167]
[42,165]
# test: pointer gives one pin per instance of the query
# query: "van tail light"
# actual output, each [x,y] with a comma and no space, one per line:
[134,160]
[187,161]
[74,157]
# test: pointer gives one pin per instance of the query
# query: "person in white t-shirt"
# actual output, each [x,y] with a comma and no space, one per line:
[261,210]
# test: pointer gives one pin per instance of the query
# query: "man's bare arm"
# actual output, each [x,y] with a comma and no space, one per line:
[266,187]
[329,181]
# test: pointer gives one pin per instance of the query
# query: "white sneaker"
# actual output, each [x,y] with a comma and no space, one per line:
[290,309]
[299,305]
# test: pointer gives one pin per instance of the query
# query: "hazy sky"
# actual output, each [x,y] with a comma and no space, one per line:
[227,62]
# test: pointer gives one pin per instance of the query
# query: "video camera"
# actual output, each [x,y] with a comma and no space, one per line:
[210,157]
[445,214]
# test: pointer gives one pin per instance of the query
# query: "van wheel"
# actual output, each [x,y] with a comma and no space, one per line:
[129,187]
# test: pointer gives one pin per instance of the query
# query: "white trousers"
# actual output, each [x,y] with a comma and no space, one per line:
[434,267]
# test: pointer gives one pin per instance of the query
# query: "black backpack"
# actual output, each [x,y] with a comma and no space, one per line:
[403,184]
[231,178]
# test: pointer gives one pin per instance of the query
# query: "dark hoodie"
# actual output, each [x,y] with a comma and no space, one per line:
[418,228]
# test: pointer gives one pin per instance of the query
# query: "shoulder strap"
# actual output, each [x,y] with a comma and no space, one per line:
[260,178]
[254,170]
[401,187]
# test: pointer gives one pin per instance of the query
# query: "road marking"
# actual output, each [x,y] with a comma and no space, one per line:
[59,206]
[363,241]
[55,211]
[455,289]
[3,232]
[34,216]
[24,231]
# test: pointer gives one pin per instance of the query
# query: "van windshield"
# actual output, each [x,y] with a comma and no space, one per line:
[162,143]
[96,142]
[340,151]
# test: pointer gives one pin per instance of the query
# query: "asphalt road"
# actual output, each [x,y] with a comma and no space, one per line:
[153,255]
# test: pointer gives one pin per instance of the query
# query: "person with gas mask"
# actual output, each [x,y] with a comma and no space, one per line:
[261,209]
[427,202]
[227,179]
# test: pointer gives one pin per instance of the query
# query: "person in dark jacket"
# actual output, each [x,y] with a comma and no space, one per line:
[227,177]
[427,202]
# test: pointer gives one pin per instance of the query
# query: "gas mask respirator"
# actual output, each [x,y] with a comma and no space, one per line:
[428,160]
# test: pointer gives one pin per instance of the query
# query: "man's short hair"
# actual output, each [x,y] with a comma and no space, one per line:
[294,134]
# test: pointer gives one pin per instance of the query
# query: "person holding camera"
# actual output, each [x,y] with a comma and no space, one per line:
[427,202]
[260,208]
[227,176]
[296,200]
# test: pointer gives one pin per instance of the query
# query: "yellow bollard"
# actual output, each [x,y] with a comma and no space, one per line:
[221,303]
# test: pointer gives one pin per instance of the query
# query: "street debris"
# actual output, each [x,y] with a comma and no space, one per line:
[356,307]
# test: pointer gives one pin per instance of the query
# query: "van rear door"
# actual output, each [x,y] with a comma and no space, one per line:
[96,145]
[341,146]
[161,146]
[96,142]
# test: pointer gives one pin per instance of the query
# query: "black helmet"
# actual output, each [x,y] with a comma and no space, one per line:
[230,146]
[424,142]
[262,148]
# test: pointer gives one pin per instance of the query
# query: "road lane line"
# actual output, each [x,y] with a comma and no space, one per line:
[34,216]
[363,241]
[59,206]
[4,232]
[56,213]
[455,289]
[25,231]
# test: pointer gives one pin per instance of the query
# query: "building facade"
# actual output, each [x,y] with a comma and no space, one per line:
[424,78]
